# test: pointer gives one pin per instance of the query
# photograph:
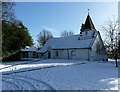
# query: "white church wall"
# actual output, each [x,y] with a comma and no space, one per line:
[55,54]
[81,54]
[86,35]
[58,54]
[99,57]
[45,55]
[64,54]
[52,54]
[71,53]
[98,54]
[94,49]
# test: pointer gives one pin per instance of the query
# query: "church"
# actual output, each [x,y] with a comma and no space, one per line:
[87,45]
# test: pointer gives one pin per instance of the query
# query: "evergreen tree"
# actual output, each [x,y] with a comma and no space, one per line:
[14,37]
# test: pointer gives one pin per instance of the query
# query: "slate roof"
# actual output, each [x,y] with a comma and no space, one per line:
[71,42]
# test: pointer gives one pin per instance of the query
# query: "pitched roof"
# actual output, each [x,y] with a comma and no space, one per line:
[70,42]
[33,48]
[88,24]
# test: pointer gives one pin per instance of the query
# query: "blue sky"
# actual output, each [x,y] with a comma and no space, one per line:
[58,17]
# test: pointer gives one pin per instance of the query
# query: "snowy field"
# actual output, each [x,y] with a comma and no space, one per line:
[59,74]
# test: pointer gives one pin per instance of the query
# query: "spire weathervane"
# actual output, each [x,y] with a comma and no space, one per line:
[88,11]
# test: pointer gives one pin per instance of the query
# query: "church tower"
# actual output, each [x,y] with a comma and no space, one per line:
[88,25]
[88,29]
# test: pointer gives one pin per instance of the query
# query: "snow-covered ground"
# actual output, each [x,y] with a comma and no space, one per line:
[59,74]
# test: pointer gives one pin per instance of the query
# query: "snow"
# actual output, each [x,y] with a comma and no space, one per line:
[33,48]
[60,74]
[70,42]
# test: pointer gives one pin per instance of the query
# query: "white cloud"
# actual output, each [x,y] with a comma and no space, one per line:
[55,32]
[48,28]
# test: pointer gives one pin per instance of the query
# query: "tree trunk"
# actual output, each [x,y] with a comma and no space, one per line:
[116,62]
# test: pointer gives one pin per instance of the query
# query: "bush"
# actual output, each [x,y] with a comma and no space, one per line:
[13,57]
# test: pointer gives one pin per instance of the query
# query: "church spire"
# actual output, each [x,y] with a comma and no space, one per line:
[88,11]
[88,24]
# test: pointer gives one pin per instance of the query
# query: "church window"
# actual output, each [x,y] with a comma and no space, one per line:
[73,53]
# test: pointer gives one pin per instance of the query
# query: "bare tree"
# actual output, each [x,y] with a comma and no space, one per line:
[66,33]
[43,36]
[111,38]
[7,11]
